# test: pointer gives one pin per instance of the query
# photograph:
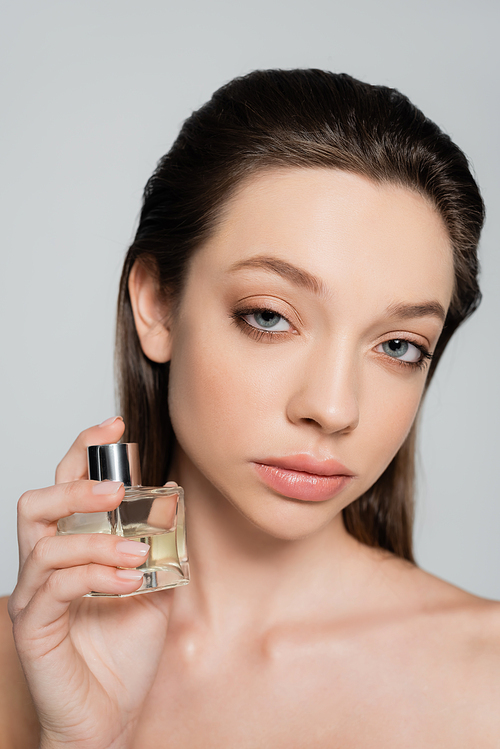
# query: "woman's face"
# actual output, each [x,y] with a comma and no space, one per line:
[299,352]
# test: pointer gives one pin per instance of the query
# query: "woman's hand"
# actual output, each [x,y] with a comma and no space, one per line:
[89,662]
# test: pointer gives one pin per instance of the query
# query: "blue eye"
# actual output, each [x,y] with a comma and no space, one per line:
[266,319]
[401,350]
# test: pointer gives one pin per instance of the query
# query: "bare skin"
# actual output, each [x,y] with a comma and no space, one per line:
[291,633]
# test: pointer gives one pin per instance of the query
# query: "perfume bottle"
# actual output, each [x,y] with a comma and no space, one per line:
[153,515]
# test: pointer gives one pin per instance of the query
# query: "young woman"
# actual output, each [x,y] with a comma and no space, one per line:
[305,251]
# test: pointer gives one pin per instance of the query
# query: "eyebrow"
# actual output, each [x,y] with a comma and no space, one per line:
[297,276]
[426,309]
[301,277]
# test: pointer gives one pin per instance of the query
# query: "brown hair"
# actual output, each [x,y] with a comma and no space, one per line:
[291,118]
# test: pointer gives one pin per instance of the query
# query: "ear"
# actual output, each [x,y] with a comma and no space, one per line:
[149,315]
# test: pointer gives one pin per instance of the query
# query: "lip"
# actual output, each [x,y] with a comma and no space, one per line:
[303,476]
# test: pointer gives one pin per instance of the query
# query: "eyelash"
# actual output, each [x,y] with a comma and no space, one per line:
[257,334]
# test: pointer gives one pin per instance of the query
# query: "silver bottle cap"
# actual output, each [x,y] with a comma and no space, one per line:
[117,462]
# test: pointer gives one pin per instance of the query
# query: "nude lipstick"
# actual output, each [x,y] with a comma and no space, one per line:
[303,477]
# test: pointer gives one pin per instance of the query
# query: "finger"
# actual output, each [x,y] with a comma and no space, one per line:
[53,598]
[74,464]
[51,503]
[40,509]
[62,552]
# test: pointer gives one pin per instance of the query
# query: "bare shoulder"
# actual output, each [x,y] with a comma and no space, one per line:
[18,721]
[470,623]
[419,655]
[474,617]
[441,646]
[456,639]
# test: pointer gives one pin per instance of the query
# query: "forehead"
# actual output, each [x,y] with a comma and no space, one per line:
[342,227]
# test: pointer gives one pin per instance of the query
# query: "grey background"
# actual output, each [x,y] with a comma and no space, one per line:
[93,93]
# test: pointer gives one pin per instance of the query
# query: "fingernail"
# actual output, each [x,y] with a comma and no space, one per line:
[107,487]
[137,548]
[129,574]
[111,420]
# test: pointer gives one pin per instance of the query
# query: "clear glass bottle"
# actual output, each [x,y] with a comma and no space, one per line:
[153,515]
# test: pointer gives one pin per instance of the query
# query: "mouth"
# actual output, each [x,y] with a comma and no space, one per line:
[303,477]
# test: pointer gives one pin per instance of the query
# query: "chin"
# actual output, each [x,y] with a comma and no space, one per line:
[292,520]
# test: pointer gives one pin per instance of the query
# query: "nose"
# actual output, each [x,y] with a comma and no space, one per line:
[326,391]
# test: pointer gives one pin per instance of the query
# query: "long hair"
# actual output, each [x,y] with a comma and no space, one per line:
[305,119]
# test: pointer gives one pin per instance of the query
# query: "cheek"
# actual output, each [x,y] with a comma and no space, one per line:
[215,397]
[390,411]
